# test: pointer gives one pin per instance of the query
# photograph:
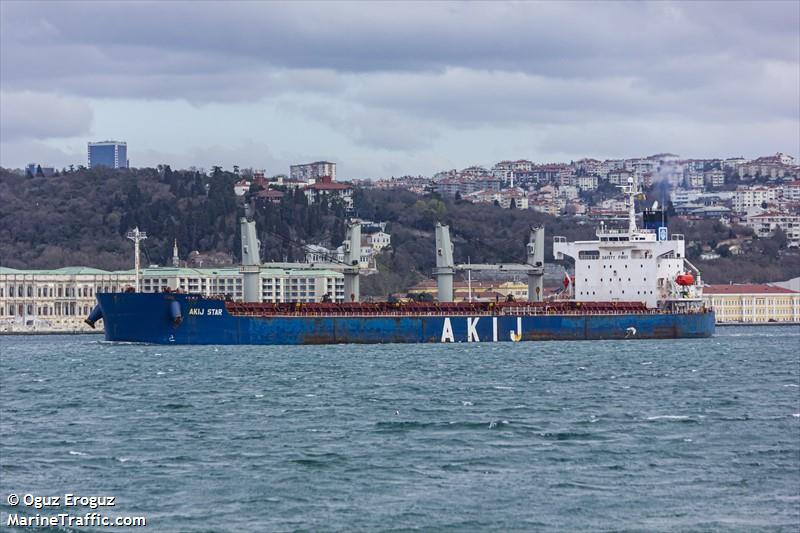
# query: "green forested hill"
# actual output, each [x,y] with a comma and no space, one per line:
[80,218]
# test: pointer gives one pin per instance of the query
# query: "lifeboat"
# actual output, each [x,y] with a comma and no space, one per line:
[685,279]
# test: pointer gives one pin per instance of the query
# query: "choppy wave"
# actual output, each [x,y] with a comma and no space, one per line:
[675,418]
[537,436]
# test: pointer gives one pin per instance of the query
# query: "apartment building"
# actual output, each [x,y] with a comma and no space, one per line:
[765,224]
[746,198]
[311,172]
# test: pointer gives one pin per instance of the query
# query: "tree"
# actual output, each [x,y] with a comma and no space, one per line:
[779,237]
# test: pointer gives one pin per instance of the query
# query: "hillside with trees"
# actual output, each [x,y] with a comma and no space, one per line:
[80,217]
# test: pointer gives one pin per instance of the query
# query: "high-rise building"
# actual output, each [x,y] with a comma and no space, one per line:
[113,154]
[312,172]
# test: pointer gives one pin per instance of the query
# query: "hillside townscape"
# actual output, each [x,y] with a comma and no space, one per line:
[741,218]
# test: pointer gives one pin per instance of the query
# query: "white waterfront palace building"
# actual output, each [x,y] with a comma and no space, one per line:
[59,300]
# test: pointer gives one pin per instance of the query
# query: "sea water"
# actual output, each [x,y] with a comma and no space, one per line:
[612,435]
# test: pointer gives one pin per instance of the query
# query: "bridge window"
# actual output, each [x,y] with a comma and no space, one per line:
[589,254]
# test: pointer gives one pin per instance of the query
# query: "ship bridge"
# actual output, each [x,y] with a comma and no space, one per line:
[629,265]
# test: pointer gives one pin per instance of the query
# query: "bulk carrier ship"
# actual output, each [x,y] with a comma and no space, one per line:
[634,283]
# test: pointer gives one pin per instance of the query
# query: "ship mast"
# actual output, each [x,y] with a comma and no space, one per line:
[136,236]
[630,190]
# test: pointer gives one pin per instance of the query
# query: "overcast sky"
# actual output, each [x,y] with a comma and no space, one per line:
[396,88]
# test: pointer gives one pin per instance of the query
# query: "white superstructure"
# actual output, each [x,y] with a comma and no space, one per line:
[633,265]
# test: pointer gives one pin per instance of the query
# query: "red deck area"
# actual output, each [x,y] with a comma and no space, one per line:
[427,309]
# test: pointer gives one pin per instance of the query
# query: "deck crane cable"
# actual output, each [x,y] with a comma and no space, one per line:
[301,245]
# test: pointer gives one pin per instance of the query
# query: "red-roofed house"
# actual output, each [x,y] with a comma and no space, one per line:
[325,186]
[270,195]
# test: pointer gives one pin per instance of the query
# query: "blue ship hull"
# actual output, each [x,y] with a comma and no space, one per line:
[150,318]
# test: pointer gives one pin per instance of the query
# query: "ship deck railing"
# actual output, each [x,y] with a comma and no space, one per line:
[385,309]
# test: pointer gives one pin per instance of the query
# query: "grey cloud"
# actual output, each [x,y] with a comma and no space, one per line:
[374,128]
[552,39]
[465,63]
[39,115]
[472,97]
[21,152]
[404,76]
[685,137]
